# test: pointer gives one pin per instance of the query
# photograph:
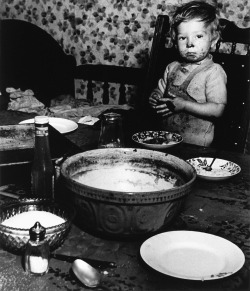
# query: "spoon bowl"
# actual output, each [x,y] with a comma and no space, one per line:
[209,167]
[88,275]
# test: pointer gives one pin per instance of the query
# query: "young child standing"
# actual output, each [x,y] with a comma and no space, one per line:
[192,92]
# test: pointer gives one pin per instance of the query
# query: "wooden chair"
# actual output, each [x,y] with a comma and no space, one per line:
[30,58]
[232,129]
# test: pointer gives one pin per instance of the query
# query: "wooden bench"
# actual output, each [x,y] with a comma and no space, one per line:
[30,58]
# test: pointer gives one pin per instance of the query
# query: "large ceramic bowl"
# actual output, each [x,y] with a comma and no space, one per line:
[127,192]
[14,239]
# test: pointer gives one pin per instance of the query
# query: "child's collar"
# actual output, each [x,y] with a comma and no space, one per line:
[207,59]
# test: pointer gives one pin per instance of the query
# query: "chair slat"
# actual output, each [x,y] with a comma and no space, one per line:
[233,48]
[105,98]
[122,91]
[90,91]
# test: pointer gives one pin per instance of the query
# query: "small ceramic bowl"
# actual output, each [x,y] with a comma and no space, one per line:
[157,140]
[221,169]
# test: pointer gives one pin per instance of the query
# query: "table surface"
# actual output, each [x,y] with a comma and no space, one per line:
[221,208]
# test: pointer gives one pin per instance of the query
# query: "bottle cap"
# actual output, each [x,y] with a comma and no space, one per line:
[41,119]
[37,232]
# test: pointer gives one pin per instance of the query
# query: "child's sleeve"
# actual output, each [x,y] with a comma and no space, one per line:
[162,84]
[216,90]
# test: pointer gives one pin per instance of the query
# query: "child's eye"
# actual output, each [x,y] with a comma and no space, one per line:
[181,37]
[199,36]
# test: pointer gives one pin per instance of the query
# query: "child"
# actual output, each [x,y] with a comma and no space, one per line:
[192,92]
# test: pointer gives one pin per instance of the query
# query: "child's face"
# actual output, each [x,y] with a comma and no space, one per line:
[194,40]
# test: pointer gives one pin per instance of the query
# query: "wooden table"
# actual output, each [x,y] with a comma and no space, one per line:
[219,208]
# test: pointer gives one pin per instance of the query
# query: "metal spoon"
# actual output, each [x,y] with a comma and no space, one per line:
[209,167]
[95,263]
[88,275]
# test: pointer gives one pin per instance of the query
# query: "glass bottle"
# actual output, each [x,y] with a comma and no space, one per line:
[36,258]
[42,171]
[111,135]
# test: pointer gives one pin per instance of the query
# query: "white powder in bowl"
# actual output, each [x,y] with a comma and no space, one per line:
[125,179]
[27,219]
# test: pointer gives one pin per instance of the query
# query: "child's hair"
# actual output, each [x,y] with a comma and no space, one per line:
[196,10]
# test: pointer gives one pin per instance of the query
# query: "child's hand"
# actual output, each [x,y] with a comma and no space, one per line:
[169,106]
[155,98]
[178,103]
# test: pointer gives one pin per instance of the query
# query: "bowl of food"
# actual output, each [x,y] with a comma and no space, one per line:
[157,140]
[17,217]
[126,192]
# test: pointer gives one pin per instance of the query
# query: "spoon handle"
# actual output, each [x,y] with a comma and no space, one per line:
[93,262]
[212,162]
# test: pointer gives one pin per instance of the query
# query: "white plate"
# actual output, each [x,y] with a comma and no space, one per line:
[61,124]
[143,138]
[192,255]
[221,169]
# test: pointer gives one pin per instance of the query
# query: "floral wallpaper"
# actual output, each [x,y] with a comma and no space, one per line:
[115,32]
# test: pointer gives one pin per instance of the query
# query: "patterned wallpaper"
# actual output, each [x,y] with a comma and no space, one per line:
[117,32]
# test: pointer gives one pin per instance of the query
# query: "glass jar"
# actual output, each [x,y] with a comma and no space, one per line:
[111,135]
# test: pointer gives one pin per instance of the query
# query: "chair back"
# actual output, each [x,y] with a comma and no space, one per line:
[232,128]
[30,58]
[109,77]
